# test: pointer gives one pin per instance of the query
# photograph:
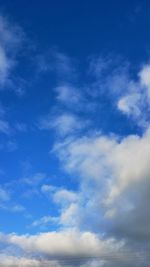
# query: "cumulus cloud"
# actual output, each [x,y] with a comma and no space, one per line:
[65,246]
[112,172]
[69,248]
[107,217]
[114,185]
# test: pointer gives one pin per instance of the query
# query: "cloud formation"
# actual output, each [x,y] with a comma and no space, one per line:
[105,220]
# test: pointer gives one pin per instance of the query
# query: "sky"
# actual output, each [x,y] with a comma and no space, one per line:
[74,133]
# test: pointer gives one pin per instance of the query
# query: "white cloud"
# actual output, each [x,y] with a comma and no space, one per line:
[112,172]
[145,78]
[69,248]
[64,124]
[114,184]
[67,201]
[45,188]
[135,101]
[64,195]
[63,244]
[69,215]
[45,221]
[68,95]
[129,104]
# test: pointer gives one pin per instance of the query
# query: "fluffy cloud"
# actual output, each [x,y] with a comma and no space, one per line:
[114,186]
[69,248]
[66,247]
[105,222]
[112,172]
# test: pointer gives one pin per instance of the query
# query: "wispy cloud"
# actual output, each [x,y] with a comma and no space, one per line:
[10,40]
[135,102]
[63,124]
[45,222]
[56,62]
[5,127]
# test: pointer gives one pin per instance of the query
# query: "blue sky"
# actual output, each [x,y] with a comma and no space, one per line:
[74,133]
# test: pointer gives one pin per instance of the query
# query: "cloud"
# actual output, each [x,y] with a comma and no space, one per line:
[4,195]
[129,104]
[5,66]
[66,200]
[5,127]
[45,221]
[112,172]
[69,248]
[14,261]
[114,184]
[10,40]
[64,124]
[58,63]
[6,202]
[68,95]
[145,78]
[34,180]
[135,102]
[64,195]
[107,172]
[108,215]
[64,246]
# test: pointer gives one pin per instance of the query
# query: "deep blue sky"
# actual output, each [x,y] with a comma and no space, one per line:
[85,27]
